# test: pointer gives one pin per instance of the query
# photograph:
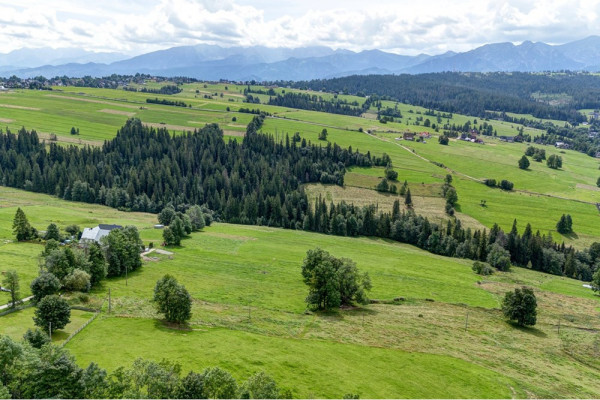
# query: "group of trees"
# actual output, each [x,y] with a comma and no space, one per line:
[71,268]
[165,102]
[178,224]
[256,182]
[565,224]
[449,193]
[35,369]
[554,161]
[476,94]
[333,282]
[143,169]
[503,184]
[307,101]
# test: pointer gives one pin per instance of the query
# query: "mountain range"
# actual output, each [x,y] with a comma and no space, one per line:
[261,63]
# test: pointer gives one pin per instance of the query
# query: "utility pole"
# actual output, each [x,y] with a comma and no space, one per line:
[125,275]
[559,326]
[109,305]
[467,322]
[50,330]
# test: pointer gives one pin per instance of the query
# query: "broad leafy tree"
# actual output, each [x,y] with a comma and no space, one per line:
[44,285]
[521,306]
[122,249]
[219,384]
[11,282]
[52,309]
[332,281]
[196,217]
[172,300]
[259,386]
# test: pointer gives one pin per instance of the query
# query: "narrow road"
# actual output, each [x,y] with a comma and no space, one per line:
[4,307]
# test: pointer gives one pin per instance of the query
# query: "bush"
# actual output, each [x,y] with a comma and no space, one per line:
[490,182]
[36,337]
[482,268]
[506,185]
[443,139]
[520,306]
[499,257]
[78,281]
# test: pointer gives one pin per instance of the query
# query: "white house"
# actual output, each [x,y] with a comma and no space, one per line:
[95,234]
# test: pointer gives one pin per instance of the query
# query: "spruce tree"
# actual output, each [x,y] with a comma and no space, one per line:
[408,199]
[21,227]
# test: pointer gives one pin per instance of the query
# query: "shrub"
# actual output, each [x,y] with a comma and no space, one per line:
[36,337]
[506,185]
[78,281]
[482,268]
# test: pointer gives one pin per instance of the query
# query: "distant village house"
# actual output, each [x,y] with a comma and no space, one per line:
[91,235]
[408,136]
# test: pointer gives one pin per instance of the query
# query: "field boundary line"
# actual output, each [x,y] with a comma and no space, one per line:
[89,321]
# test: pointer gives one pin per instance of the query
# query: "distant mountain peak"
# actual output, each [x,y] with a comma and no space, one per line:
[213,62]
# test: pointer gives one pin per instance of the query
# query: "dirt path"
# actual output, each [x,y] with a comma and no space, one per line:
[5,306]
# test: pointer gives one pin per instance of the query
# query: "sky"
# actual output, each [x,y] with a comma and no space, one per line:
[401,26]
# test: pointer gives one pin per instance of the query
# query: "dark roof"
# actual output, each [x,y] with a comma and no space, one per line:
[107,227]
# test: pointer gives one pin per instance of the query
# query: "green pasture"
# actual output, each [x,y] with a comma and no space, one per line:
[312,368]
[249,306]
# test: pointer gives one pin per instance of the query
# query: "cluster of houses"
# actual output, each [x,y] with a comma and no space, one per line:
[412,135]
[471,137]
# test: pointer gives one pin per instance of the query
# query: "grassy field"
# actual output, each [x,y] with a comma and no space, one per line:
[249,315]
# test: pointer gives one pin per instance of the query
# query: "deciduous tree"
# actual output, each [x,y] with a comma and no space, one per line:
[172,300]
[520,306]
[52,309]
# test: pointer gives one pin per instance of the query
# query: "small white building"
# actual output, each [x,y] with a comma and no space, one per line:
[95,234]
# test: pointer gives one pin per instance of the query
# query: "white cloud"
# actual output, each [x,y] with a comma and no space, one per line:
[403,26]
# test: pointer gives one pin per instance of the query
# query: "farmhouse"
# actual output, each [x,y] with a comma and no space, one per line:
[562,145]
[597,155]
[408,136]
[90,235]
[425,135]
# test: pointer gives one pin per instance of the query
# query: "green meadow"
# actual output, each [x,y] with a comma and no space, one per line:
[434,329]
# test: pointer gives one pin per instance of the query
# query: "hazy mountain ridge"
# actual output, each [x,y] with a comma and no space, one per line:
[263,63]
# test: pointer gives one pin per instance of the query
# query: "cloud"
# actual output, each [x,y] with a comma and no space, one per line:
[401,26]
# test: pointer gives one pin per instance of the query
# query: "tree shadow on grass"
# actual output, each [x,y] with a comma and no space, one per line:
[58,335]
[528,329]
[571,235]
[171,327]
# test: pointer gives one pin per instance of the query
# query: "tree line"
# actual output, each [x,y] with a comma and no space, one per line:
[474,93]
[258,182]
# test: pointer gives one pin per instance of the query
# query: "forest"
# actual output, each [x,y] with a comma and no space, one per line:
[475,93]
[259,182]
